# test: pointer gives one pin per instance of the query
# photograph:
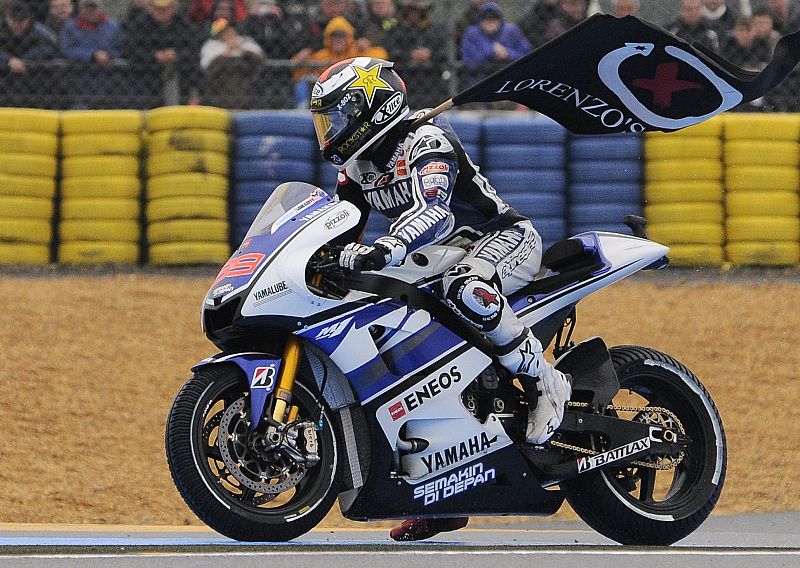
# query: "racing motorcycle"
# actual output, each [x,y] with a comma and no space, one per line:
[366,387]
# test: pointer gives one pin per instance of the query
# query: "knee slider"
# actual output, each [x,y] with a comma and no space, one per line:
[473,297]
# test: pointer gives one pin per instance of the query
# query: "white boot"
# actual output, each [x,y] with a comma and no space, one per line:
[546,388]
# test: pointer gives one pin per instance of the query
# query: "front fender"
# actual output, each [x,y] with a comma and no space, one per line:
[261,370]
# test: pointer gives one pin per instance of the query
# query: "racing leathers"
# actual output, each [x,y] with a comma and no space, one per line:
[421,179]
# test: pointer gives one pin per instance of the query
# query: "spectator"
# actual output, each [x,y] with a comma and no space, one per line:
[742,48]
[91,39]
[626,8]
[381,20]
[21,45]
[785,15]
[416,47]
[230,61]
[763,28]
[162,45]
[720,16]
[279,34]
[321,16]
[692,26]
[536,20]
[340,43]
[469,17]
[208,10]
[570,14]
[58,14]
[491,43]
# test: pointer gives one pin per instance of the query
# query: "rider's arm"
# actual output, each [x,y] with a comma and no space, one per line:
[434,167]
[349,190]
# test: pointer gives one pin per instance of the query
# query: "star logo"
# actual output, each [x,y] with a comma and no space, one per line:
[528,357]
[369,81]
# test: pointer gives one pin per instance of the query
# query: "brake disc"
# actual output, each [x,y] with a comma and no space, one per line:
[244,464]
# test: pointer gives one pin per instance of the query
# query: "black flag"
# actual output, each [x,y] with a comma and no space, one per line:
[611,74]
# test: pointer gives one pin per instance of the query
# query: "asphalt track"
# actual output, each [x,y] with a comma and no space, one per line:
[752,541]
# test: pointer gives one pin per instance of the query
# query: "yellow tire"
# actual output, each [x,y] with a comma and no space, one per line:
[29,120]
[26,230]
[99,252]
[763,203]
[760,229]
[28,143]
[180,185]
[682,148]
[27,165]
[24,253]
[26,207]
[761,178]
[187,230]
[762,126]
[99,230]
[712,212]
[763,254]
[173,117]
[100,144]
[760,153]
[686,233]
[189,253]
[683,191]
[696,255]
[187,162]
[187,208]
[27,186]
[123,187]
[100,121]
[674,170]
[100,208]
[100,166]
[711,128]
[189,139]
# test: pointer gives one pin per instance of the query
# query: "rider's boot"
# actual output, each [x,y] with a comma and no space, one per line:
[420,529]
[546,388]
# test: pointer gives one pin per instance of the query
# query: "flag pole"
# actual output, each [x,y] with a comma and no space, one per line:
[446,105]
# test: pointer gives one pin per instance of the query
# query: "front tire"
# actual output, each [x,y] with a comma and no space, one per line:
[632,504]
[215,495]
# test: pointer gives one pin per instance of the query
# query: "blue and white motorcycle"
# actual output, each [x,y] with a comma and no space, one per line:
[366,387]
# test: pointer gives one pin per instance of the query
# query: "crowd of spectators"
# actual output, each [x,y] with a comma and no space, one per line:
[245,53]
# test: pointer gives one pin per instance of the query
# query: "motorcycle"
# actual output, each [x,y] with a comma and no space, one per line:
[366,387]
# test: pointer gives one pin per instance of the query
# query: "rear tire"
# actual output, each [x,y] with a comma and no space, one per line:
[214,494]
[621,503]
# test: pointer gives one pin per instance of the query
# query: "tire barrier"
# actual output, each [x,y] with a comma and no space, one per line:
[28,168]
[188,169]
[762,154]
[101,188]
[683,193]
[603,170]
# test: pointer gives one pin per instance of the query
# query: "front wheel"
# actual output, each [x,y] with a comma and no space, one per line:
[229,475]
[663,501]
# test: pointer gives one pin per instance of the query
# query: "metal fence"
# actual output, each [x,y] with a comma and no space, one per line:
[149,53]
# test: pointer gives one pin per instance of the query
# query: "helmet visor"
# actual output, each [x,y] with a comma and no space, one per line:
[328,125]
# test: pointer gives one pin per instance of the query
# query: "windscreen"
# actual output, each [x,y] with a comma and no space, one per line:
[287,197]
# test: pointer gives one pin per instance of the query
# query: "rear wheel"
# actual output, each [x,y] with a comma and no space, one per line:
[237,481]
[665,502]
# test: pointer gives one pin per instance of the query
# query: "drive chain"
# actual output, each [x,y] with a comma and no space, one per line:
[651,409]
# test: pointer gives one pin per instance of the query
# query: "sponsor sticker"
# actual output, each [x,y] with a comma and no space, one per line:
[460,452]
[396,411]
[337,220]
[455,483]
[622,452]
[263,378]
[220,290]
[435,180]
[434,167]
[389,109]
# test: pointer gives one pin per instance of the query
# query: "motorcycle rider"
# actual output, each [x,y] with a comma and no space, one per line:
[419,176]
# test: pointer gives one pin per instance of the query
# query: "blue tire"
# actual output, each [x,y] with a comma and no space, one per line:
[606,171]
[377,226]
[274,123]
[474,153]
[326,176]
[254,191]
[612,147]
[289,170]
[244,214]
[518,181]
[623,192]
[238,232]
[607,213]
[468,127]
[511,156]
[608,227]
[276,148]
[538,204]
[520,128]
[551,229]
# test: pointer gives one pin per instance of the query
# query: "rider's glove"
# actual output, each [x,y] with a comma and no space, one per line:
[356,256]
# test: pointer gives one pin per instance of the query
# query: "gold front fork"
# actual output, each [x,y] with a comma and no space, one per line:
[283,394]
